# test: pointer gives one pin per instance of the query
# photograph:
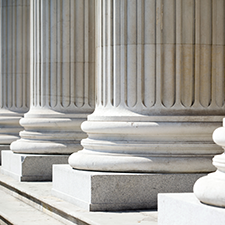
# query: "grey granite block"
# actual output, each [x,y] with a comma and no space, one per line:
[30,167]
[186,209]
[102,191]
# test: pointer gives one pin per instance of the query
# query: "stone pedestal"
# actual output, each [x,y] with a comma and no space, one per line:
[108,191]
[185,209]
[14,68]
[159,93]
[30,167]
[62,81]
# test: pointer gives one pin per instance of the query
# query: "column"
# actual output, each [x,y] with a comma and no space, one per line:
[62,83]
[160,95]
[14,68]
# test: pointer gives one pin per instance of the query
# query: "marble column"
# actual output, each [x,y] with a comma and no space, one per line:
[14,68]
[160,95]
[62,82]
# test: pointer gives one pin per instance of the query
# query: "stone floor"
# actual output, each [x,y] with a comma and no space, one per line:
[32,203]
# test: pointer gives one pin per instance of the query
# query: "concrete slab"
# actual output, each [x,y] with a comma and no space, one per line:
[106,191]
[30,167]
[186,209]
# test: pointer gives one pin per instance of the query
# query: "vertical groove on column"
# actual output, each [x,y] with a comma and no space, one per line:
[53,55]
[104,53]
[99,56]
[72,52]
[109,52]
[169,39]
[91,54]
[131,53]
[218,54]
[123,36]
[205,40]
[86,53]
[116,53]
[79,53]
[59,52]
[11,84]
[149,53]
[140,51]
[185,52]
[65,59]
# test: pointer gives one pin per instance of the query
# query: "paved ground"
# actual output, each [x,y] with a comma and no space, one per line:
[46,203]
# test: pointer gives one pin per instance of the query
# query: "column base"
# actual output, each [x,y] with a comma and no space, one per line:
[107,191]
[30,167]
[186,209]
[3,147]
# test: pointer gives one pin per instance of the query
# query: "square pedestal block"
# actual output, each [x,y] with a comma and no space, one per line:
[106,191]
[3,147]
[30,167]
[186,209]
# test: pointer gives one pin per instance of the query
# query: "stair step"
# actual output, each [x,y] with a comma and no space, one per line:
[16,212]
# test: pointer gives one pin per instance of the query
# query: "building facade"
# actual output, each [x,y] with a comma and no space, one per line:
[145,78]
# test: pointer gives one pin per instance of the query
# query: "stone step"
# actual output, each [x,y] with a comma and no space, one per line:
[16,212]
[38,196]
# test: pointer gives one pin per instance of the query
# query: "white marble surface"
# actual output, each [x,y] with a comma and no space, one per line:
[186,209]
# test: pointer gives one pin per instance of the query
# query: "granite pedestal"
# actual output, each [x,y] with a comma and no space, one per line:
[107,191]
[186,209]
[30,167]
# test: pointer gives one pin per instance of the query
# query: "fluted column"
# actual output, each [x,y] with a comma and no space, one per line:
[160,87]
[14,67]
[62,76]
